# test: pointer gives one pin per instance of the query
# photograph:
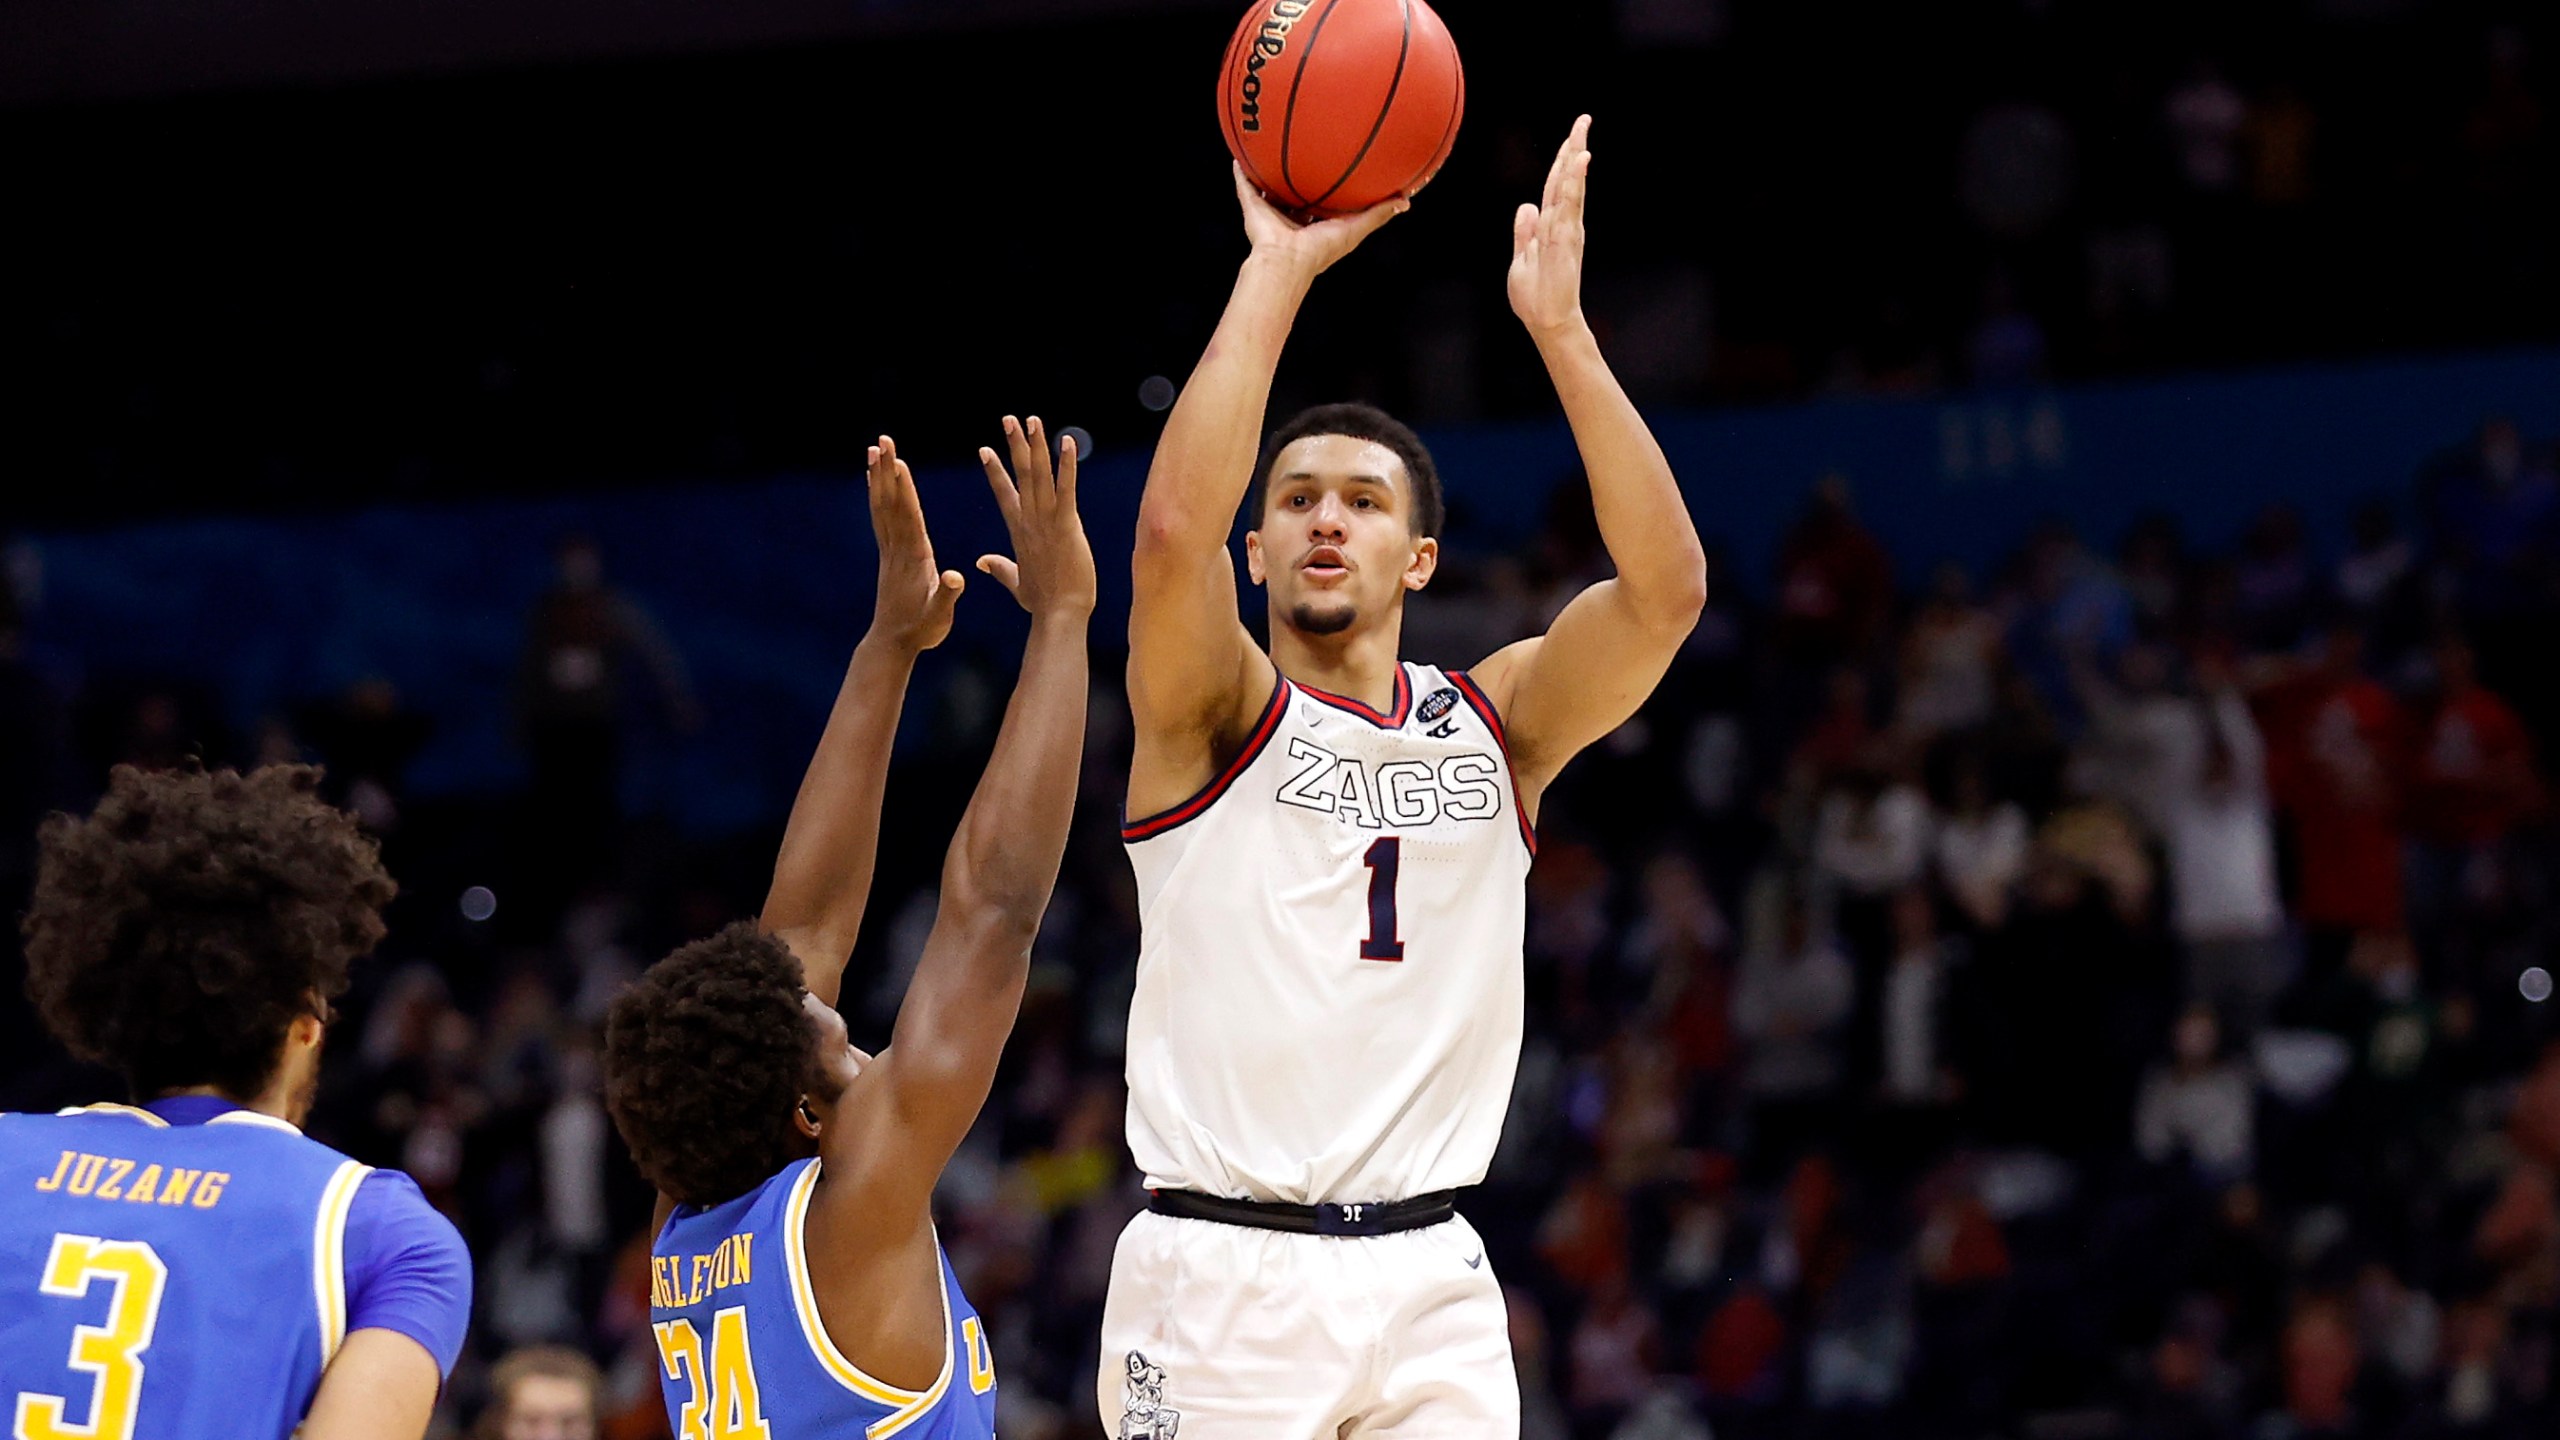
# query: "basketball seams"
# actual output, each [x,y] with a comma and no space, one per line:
[1289,117]
[1386,107]
[1457,108]
[1226,86]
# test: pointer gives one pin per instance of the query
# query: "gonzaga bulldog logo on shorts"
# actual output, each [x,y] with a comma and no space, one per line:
[1143,1415]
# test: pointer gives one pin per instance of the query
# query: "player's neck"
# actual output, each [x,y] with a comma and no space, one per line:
[275,1101]
[1358,664]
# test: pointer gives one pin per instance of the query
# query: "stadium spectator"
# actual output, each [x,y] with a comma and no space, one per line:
[543,1392]
[573,684]
[2338,757]
[1950,661]
[1835,583]
[2197,1108]
[1978,849]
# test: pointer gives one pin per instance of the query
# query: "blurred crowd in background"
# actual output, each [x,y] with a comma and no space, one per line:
[2106,997]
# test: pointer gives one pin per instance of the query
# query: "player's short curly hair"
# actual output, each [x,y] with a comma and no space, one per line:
[1360,422]
[178,929]
[705,1057]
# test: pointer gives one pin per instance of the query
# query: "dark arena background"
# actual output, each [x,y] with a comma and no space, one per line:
[2126,437]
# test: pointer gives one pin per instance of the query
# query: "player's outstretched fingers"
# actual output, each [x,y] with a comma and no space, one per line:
[1006,572]
[946,595]
[1553,190]
[1030,442]
[1067,473]
[1577,170]
[1008,499]
[881,461]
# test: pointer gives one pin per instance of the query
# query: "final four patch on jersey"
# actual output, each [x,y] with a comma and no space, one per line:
[1440,703]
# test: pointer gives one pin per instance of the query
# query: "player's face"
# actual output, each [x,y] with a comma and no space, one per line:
[1336,544]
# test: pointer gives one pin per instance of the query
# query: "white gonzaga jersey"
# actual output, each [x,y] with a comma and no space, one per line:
[1329,970]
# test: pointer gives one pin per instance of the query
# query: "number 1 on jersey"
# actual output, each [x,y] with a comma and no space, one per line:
[1383,942]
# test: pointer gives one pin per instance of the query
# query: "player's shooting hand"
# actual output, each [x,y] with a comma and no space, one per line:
[1546,242]
[1310,246]
[913,608]
[1051,570]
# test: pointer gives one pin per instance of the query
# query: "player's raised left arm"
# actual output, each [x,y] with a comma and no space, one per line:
[1608,649]
[910,1107]
[822,877]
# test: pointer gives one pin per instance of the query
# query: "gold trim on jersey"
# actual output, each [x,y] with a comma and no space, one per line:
[109,1107]
[908,1406]
[329,1254]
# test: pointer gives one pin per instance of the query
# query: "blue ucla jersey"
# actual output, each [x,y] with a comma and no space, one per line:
[741,1350]
[181,1282]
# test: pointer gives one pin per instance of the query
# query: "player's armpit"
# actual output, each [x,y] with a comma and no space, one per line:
[1191,714]
[381,1386]
[1593,669]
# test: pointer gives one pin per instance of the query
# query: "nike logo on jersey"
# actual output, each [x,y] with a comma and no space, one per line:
[1476,1262]
[1443,730]
[1399,792]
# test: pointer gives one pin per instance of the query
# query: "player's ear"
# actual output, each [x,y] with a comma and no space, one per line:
[315,1017]
[1253,555]
[1425,563]
[804,1118]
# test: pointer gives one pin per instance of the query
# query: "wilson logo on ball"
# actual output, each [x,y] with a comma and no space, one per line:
[1266,48]
[1332,106]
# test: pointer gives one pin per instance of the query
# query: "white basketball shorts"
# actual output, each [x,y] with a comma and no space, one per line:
[1226,1332]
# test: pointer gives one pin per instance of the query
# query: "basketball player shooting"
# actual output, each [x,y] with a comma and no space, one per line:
[1330,848]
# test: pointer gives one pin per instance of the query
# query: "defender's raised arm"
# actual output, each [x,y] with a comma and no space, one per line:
[822,878]
[921,1095]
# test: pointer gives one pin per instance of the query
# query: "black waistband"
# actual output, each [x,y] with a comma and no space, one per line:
[1380,1218]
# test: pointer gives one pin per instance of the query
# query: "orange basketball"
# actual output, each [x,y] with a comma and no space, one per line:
[1334,105]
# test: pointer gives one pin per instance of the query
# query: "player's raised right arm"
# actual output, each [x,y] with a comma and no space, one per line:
[1190,658]
[996,879]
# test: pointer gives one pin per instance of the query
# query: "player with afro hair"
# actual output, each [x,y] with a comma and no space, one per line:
[730,1074]
[191,932]
[178,931]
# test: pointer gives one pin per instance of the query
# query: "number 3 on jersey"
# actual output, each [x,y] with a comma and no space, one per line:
[112,1351]
[1384,942]
[724,1404]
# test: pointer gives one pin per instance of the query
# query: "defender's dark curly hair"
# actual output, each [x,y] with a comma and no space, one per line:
[1360,422]
[178,929]
[705,1057]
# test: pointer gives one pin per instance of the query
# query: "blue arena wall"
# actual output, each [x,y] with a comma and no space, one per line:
[764,587]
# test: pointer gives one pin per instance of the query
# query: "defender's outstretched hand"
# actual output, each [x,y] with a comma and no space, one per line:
[913,609]
[1311,245]
[1051,571]
[1546,241]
